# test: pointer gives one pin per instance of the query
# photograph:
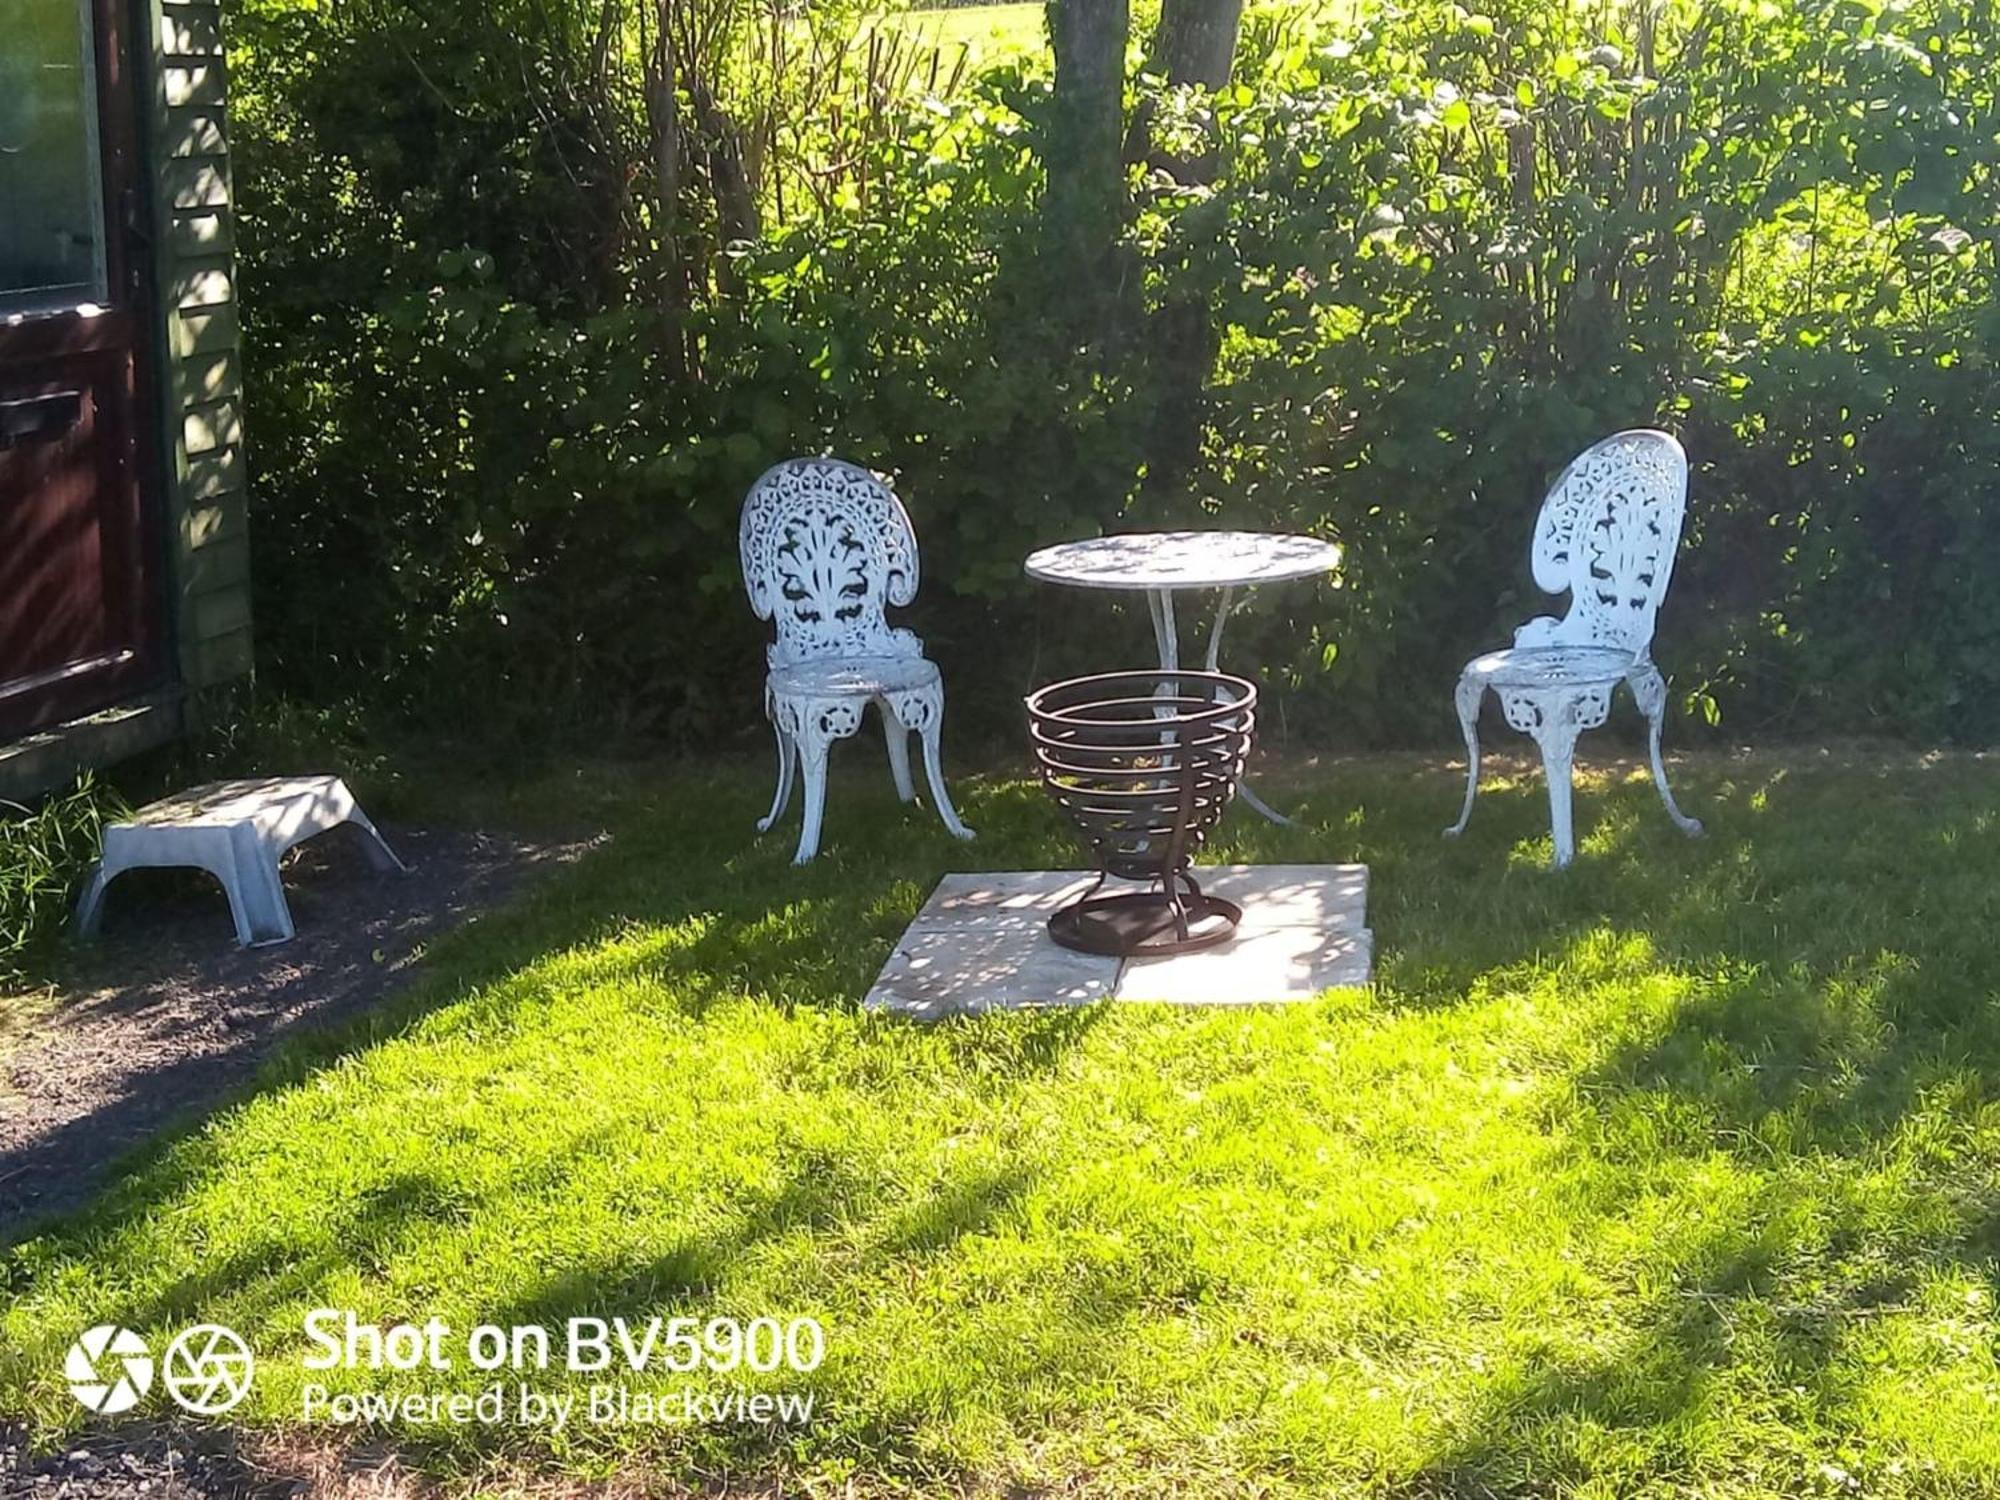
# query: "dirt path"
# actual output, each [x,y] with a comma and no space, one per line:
[167,1015]
[143,1467]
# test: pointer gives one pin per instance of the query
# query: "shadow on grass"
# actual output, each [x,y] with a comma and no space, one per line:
[795,937]
[1720,1335]
[1836,1061]
[1840,936]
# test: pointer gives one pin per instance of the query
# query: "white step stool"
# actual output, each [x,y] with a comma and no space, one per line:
[237,831]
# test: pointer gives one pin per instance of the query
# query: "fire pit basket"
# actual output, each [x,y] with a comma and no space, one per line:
[1144,764]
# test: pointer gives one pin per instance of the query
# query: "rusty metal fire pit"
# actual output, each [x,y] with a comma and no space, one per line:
[1144,764]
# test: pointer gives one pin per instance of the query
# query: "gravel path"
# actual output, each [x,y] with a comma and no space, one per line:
[147,1467]
[167,1015]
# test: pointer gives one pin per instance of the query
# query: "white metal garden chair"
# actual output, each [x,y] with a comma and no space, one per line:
[826,545]
[1607,534]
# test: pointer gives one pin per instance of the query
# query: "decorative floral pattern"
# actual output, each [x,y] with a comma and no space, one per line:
[1607,535]
[826,545]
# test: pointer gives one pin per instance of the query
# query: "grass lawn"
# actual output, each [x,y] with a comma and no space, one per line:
[994,33]
[989,33]
[1677,1174]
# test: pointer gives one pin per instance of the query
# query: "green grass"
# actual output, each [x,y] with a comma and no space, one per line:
[44,849]
[989,33]
[1677,1174]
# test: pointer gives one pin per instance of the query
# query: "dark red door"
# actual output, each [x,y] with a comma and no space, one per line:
[77,626]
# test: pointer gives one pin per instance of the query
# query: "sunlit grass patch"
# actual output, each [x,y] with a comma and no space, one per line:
[1673,1173]
[988,33]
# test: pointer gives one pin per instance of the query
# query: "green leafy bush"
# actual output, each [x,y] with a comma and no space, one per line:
[1450,250]
[1441,252]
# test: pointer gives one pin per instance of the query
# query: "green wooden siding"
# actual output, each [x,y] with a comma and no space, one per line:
[209,555]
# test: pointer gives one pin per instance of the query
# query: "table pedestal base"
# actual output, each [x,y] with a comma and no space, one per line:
[1145,924]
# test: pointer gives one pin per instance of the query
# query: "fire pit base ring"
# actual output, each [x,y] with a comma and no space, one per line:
[1140,924]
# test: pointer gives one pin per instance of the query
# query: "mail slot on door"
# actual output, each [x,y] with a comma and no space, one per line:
[39,419]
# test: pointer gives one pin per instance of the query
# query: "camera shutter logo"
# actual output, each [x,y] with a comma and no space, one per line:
[207,1369]
[108,1369]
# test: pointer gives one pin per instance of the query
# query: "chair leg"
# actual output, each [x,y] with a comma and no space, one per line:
[1557,739]
[812,749]
[380,855]
[922,710]
[934,772]
[806,729]
[787,759]
[1468,695]
[256,892]
[897,734]
[1650,689]
[90,909]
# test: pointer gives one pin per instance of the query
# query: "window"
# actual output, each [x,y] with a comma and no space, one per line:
[51,194]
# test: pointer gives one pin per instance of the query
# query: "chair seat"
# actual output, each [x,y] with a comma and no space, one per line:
[1551,666]
[853,676]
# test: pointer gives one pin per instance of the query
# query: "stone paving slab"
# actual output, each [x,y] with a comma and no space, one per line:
[1025,898]
[961,970]
[1280,963]
[981,943]
[1291,895]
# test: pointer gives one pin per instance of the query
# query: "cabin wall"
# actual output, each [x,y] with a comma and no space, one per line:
[207,542]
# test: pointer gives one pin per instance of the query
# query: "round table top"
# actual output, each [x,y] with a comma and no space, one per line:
[1183,560]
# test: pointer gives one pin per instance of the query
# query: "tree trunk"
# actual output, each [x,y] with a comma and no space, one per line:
[663,114]
[1195,41]
[728,166]
[1193,46]
[1086,177]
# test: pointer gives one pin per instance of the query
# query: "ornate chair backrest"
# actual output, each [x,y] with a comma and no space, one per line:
[1607,534]
[825,546]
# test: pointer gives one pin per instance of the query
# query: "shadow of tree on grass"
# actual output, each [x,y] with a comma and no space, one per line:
[1830,1072]
[1826,1008]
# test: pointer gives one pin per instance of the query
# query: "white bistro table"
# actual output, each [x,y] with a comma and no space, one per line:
[1163,563]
